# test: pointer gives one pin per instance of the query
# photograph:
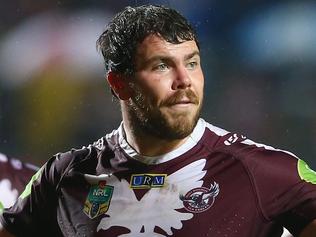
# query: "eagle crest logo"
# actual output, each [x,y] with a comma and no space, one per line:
[200,199]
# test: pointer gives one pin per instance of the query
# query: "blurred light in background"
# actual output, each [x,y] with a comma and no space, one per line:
[281,33]
[65,39]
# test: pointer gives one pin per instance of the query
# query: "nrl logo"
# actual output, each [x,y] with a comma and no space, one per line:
[200,199]
[98,199]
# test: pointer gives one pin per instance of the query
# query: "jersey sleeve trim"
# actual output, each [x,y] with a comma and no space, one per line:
[305,172]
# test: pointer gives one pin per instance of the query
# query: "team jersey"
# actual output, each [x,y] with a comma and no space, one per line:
[14,175]
[216,184]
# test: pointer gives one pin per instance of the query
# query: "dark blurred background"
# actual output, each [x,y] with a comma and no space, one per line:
[259,59]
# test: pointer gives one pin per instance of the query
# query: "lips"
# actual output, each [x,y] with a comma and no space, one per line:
[184,102]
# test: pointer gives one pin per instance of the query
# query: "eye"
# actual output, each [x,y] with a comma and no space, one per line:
[161,67]
[192,65]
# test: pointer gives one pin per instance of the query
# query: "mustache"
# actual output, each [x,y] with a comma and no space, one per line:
[178,97]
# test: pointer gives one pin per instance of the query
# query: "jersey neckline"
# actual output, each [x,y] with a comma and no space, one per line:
[191,141]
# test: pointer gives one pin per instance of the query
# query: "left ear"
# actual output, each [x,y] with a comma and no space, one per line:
[119,85]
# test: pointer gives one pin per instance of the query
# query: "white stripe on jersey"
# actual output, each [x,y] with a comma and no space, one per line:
[250,142]
[218,131]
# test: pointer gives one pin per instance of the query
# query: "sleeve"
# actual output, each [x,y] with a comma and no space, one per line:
[285,187]
[34,212]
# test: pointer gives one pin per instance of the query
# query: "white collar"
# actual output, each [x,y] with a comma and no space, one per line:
[191,141]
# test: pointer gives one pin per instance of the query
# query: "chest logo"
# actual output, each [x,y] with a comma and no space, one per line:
[200,199]
[98,199]
[147,181]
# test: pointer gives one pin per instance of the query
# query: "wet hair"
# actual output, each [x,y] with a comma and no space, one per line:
[119,42]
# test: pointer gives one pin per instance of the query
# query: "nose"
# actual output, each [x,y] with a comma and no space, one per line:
[182,78]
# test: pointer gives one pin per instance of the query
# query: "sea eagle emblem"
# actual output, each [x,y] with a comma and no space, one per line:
[200,199]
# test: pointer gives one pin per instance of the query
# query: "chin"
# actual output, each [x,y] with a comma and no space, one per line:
[179,127]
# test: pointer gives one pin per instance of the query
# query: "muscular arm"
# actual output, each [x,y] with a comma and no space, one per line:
[309,230]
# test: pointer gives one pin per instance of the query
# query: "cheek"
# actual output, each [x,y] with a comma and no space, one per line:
[155,96]
[147,96]
[155,89]
[202,87]
[198,82]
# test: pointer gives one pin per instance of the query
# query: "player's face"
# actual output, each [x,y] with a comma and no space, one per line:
[168,88]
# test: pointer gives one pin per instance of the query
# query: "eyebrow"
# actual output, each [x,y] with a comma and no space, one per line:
[191,55]
[165,58]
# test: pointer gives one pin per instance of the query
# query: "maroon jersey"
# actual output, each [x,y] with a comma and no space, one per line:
[216,184]
[14,175]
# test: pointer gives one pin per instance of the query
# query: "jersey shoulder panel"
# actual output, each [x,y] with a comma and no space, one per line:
[76,158]
[273,172]
[274,176]
[221,140]
[90,159]
[64,161]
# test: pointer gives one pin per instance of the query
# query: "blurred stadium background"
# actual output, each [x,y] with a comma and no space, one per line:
[259,59]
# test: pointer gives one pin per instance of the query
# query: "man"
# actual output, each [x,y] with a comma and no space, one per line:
[164,171]
[14,175]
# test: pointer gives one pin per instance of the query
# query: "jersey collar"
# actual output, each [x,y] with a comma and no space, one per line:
[192,140]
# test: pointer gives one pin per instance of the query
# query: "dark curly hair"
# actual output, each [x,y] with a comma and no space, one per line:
[118,43]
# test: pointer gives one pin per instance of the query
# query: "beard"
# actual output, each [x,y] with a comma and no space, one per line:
[159,120]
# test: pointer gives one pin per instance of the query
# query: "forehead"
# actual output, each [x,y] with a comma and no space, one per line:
[154,45]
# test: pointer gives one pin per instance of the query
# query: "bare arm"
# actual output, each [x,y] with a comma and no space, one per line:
[309,230]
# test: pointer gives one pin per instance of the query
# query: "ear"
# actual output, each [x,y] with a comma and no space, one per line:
[119,85]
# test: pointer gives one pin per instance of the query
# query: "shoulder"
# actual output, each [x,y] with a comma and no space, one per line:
[10,167]
[77,156]
[250,153]
[74,159]
[8,162]
[240,146]
[261,154]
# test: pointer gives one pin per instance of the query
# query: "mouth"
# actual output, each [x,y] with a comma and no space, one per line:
[182,103]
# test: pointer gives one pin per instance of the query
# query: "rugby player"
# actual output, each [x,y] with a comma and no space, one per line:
[164,171]
[14,175]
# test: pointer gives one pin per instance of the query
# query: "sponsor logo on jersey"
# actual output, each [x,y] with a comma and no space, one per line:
[98,199]
[200,199]
[305,172]
[146,181]
[233,138]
